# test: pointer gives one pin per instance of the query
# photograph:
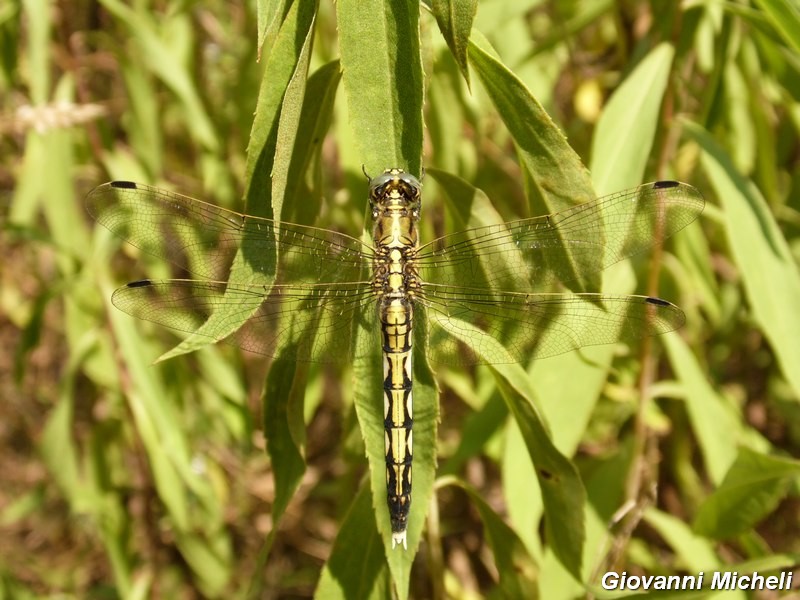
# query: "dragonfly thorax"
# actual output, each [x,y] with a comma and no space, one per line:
[395,200]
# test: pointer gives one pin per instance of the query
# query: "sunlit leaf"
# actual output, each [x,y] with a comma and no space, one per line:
[750,491]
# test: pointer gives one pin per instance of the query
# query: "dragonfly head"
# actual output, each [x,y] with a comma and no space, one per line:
[394,191]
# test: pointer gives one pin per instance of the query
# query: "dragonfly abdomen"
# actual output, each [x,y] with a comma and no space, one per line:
[396,318]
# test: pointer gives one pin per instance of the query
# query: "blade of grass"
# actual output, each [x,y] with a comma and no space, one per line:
[707,411]
[161,58]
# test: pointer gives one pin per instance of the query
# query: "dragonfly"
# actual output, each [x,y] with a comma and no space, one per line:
[309,288]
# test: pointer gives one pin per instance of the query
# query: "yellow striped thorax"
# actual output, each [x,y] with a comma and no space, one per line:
[395,198]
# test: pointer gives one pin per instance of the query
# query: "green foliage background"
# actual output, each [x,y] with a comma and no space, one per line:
[124,478]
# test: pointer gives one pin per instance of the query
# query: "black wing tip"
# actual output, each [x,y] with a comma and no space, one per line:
[140,283]
[125,185]
[673,317]
[654,300]
[665,184]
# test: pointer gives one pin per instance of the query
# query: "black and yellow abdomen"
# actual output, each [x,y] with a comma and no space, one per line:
[396,317]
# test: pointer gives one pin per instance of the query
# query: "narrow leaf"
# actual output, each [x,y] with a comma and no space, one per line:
[766,264]
[517,570]
[785,16]
[554,176]
[284,428]
[563,494]
[282,90]
[454,18]
[707,411]
[562,491]
[368,392]
[356,568]
[166,65]
[558,177]
[382,76]
[751,490]
[625,132]
[269,15]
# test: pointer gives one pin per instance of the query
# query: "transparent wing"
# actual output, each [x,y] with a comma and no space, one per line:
[317,319]
[569,245]
[202,239]
[471,322]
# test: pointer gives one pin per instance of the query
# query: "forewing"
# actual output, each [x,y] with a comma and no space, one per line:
[318,319]
[531,254]
[471,322]
[201,238]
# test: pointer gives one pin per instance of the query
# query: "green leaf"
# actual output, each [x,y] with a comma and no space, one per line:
[555,178]
[479,427]
[277,120]
[767,267]
[356,568]
[562,491]
[287,63]
[621,145]
[145,131]
[367,380]
[156,423]
[58,451]
[210,559]
[454,18]
[284,428]
[625,132]
[471,208]
[269,15]
[382,76]
[39,21]
[521,490]
[289,127]
[516,569]
[446,113]
[753,487]
[785,16]
[315,120]
[558,177]
[158,52]
[695,553]
[707,411]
